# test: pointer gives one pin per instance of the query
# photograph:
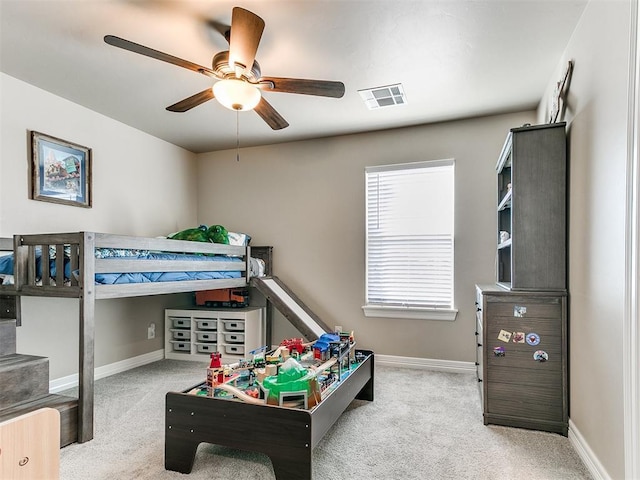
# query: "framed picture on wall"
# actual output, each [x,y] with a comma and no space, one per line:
[60,171]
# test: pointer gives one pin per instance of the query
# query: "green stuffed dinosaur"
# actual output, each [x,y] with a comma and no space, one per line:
[212,234]
[218,234]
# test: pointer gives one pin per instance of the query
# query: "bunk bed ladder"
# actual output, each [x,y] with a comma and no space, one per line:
[25,378]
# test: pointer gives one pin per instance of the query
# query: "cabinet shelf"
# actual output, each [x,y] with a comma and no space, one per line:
[505,244]
[505,203]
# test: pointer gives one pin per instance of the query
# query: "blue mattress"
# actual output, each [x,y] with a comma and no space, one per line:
[6,268]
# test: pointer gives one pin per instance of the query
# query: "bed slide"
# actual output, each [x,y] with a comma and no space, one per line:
[289,305]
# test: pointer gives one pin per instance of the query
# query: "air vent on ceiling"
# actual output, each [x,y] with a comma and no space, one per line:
[386,96]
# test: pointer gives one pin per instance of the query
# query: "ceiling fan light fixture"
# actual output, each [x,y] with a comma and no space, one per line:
[236,94]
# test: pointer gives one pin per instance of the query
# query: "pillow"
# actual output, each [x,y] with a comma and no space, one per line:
[240,239]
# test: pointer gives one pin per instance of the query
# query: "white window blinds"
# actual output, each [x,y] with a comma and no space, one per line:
[409,237]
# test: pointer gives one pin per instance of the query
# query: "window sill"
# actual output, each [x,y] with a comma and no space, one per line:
[415,313]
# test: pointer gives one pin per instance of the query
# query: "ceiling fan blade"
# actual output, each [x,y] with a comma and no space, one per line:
[322,88]
[221,28]
[269,115]
[150,52]
[192,101]
[246,31]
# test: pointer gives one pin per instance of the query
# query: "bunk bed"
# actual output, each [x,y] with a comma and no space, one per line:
[91,266]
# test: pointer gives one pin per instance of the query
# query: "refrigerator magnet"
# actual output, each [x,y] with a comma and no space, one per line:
[533,339]
[504,336]
[540,356]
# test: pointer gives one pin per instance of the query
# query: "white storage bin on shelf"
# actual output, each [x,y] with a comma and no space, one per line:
[208,336]
[181,322]
[206,324]
[180,346]
[233,325]
[234,337]
[194,333]
[180,334]
[234,349]
[206,348]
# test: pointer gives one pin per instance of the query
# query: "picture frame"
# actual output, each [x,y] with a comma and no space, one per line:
[60,171]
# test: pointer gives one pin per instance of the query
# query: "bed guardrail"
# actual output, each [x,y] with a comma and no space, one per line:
[74,252]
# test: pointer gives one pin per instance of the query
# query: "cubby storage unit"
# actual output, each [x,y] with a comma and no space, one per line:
[532,182]
[194,333]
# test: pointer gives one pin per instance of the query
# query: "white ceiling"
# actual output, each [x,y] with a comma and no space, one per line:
[455,59]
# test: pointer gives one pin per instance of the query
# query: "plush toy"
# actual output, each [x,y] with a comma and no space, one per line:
[212,234]
[218,234]
[192,234]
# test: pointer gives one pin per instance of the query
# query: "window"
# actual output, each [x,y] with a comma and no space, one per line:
[409,240]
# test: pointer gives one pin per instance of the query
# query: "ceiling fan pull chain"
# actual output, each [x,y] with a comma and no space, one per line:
[237,135]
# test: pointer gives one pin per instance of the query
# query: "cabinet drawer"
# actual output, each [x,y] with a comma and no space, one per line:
[534,402]
[233,325]
[206,336]
[206,324]
[181,322]
[519,356]
[549,376]
[545,328]
[206,347]
[178,334]
[234,337]
[526,309]
[234,349]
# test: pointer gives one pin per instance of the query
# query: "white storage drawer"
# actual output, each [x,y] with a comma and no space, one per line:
[234,349]
[206,336]
[206,347]
[181,346]
[181,322]
[179,334]
[206,324]
[234,337]
[193,333]
[233,325]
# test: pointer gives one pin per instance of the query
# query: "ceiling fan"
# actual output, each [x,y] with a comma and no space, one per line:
[239,81]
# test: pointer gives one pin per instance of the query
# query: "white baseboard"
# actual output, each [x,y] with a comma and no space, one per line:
[586,454]
[64,383]
[426,363]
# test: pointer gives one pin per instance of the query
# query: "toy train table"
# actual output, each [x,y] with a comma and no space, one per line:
[286,434]
[282,404]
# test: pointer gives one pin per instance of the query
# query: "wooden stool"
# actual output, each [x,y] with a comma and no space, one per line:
[30,446]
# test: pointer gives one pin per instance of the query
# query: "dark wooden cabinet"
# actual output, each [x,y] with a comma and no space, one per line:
[522,339]
[521,321]
[532,179]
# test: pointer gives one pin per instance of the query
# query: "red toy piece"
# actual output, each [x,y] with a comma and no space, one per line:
[215,360]
[294,344]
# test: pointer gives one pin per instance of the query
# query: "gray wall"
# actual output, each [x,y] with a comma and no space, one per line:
[307,200]
[597,118]
[141,186]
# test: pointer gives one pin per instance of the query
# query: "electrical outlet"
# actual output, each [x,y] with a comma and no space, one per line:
[151,331]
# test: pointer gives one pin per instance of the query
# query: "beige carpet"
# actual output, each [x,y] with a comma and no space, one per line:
[422,425]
